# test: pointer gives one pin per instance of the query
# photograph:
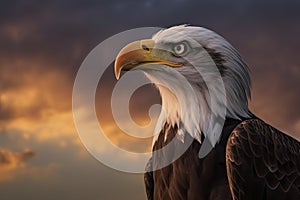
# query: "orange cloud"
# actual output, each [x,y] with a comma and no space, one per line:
[35,105]
[35,102]
[11,162]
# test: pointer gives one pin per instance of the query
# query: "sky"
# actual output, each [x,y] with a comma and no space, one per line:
[43,44]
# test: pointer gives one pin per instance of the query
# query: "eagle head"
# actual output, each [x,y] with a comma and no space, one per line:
[200,76]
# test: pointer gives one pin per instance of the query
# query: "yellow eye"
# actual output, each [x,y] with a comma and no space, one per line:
[180,49]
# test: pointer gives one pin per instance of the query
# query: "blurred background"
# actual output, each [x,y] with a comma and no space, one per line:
[42,45]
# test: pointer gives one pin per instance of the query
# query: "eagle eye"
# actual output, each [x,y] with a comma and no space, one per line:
[179,49]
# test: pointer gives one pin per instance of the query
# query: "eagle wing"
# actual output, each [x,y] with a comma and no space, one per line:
[148,179]
[262,162]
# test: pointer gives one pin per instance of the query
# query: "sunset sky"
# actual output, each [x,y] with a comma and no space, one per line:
[42,45]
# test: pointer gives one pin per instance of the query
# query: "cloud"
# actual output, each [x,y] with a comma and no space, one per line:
[275,78]
[11,163]
[33,95]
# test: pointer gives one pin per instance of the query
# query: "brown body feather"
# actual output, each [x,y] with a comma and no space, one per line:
[262,163]
[190,177]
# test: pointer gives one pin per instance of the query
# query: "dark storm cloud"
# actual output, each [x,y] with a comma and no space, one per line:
[67,31]
[63,33]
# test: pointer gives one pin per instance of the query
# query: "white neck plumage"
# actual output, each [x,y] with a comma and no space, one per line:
[182,105]
[188,106]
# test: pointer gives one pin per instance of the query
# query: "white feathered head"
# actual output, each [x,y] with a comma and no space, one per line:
[199,75]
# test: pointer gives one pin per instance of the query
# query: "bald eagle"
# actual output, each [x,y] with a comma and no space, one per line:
[248,159]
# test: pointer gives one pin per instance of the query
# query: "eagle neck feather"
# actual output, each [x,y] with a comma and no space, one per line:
[182,105]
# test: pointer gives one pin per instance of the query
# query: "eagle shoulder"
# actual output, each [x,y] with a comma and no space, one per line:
[262,162]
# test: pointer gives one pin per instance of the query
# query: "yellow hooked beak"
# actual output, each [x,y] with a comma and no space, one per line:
[140,53]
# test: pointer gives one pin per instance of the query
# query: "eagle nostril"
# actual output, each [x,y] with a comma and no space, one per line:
[144,47]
